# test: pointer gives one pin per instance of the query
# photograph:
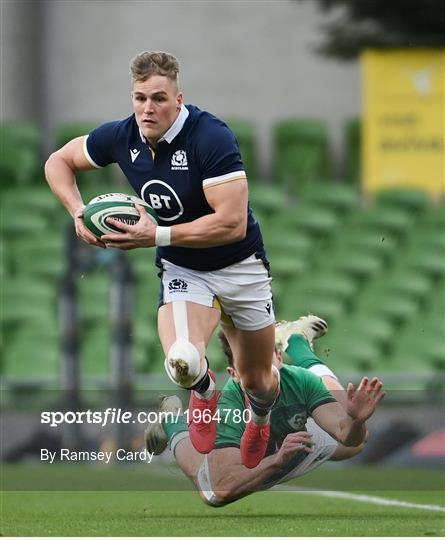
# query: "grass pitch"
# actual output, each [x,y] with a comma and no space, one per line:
[181,513]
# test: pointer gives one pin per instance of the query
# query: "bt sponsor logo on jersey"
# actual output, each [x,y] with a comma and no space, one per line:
[179,161]
[163,199]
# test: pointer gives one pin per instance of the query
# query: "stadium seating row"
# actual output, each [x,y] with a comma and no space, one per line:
[375,272]
[301,151]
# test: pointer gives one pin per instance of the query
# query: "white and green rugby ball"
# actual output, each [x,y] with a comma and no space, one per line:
[119,206]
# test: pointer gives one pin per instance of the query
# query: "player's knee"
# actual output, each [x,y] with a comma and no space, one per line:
[211,499]
[183,364]
[259,382]
[223,497]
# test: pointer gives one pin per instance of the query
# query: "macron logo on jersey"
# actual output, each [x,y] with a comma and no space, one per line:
[134,154]
[179,161]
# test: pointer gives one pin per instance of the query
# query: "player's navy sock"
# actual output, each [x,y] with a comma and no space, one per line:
[203,385]
[300,353]
[206,386]
[260,409]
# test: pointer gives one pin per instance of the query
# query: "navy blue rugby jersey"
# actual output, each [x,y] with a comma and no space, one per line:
[198,151]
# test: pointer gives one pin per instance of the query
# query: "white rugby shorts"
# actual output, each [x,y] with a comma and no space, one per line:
[323,448]
[241,291]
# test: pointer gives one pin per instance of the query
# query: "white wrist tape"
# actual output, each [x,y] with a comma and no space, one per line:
[163,236]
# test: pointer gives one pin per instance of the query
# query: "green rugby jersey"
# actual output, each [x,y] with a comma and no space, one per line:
[301,393]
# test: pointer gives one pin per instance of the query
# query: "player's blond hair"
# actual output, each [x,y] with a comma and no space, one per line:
[146,64]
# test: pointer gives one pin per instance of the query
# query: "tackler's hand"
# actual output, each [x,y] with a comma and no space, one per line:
[301,441]
[363,401]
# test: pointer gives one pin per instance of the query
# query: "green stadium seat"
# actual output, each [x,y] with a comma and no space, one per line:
[367,240]
[287,267]
[30,288]
[31,199]
[383,220]
[301,154]
[426,236]
[32,355]
[409,283]
[428,261]
[294,304]
[50,265]
[142,264]
[95,352]
[20,162]
[352,145]
[394,307]
[267,199]
[370,326]
[356,263]
[435,217]
[294,245]
[105,176]
[413,201]
[28,248]
[70,130]
[422,345]
[246,135]
[363,355]
[18,225]
[20,310]
[311,220]
[408,365]
[347,353]
[94,298]
[145,332]
[331,284]
[336,196]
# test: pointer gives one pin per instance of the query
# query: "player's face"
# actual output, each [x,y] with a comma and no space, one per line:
[156,104]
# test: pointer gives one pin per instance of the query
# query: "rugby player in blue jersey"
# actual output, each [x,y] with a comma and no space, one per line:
[186,164]
[308,426]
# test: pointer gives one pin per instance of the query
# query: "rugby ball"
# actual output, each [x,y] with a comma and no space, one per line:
[120,206]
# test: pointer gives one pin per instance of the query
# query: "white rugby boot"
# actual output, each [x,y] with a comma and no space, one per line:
[309,326]
[155,437]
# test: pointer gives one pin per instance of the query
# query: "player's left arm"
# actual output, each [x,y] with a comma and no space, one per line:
[350,428]
[231,480]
